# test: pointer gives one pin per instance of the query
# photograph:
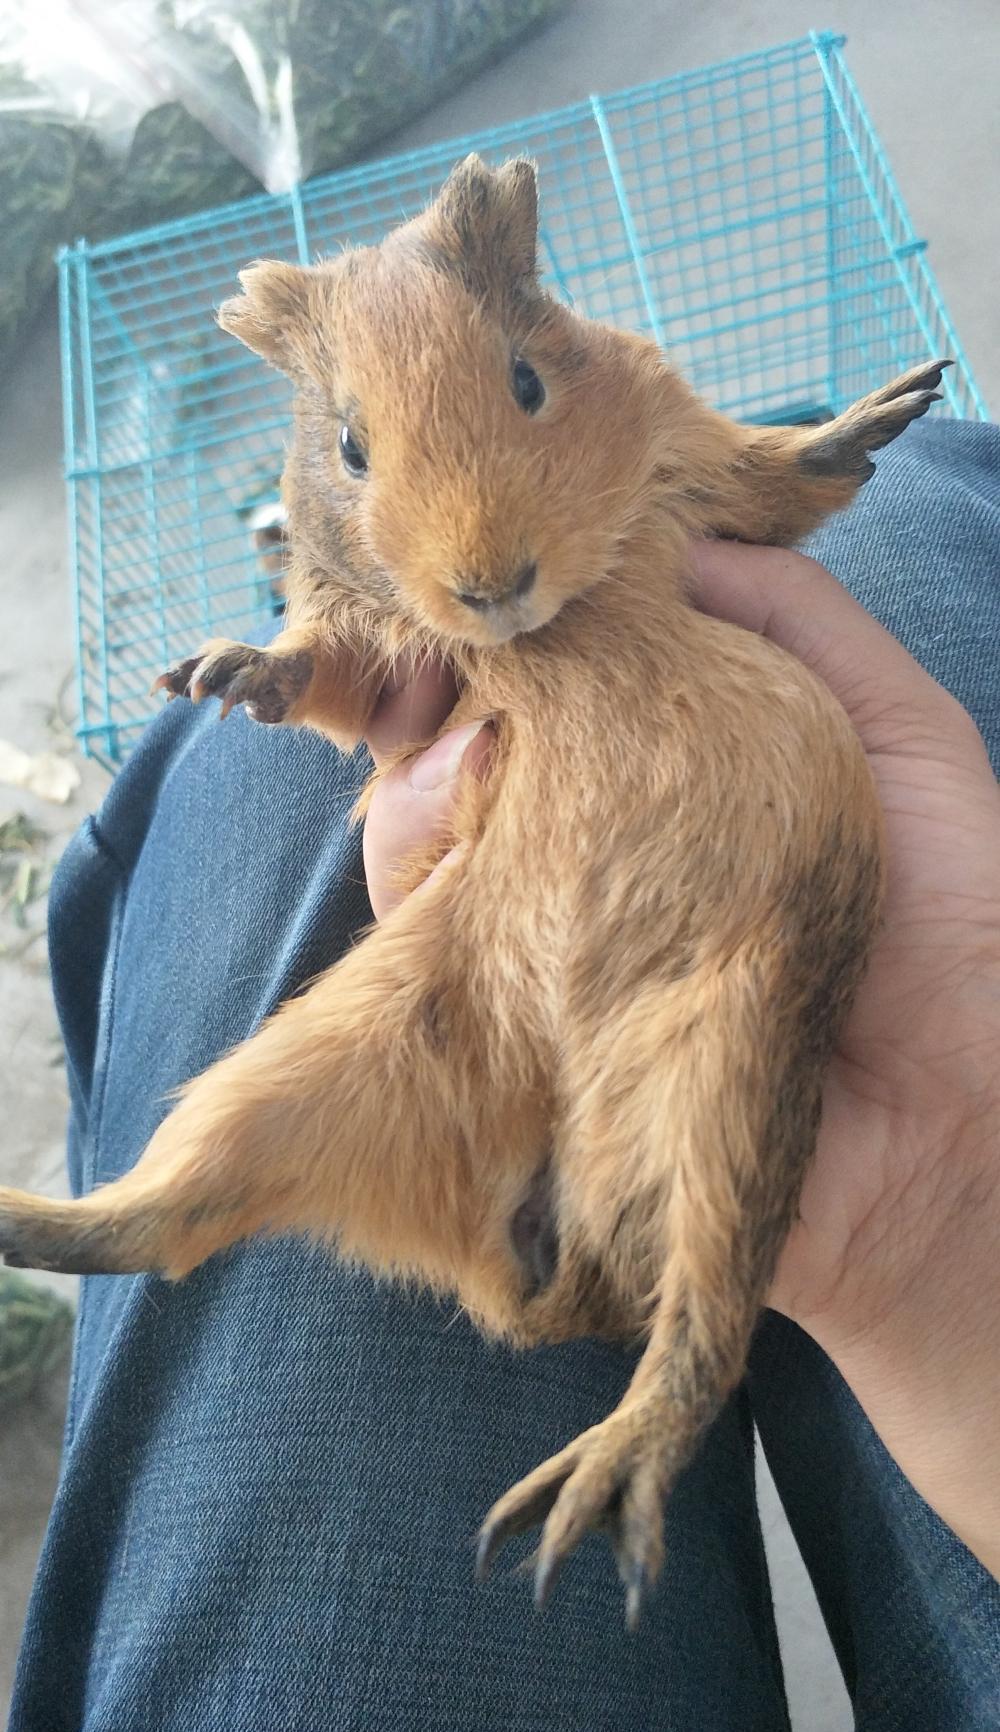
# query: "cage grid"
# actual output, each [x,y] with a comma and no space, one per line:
[743,215]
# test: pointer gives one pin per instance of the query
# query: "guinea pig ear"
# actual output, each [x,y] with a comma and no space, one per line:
[517,181]
[274,314]
[489,218]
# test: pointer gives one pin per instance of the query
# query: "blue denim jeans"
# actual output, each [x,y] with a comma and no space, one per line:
[274,1470]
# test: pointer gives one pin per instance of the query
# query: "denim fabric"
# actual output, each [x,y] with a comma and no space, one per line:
[274,1470]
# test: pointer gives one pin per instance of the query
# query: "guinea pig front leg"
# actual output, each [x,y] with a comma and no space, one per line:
[304,676]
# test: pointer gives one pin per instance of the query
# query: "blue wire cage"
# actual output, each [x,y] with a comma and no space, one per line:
[743,215]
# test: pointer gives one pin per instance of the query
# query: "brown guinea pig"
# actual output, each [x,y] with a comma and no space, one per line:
[576,1080]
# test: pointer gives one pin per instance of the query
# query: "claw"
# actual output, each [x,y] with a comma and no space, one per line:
[491,1540]
[175,680]
[230,698]
[637,1586]
[918,378]
[546,1575]
[506,1520]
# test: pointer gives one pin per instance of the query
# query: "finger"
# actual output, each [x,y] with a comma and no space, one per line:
[796,603]
[445,864]
[413,703]
[411,807]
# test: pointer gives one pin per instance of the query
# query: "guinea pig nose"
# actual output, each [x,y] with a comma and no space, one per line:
[475,599]
[480,600]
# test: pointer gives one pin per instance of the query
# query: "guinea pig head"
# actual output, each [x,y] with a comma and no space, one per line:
[468,451]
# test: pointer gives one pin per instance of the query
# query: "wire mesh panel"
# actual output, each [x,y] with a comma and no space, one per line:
[743,216]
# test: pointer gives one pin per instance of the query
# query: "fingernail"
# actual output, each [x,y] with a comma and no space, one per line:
[439,764]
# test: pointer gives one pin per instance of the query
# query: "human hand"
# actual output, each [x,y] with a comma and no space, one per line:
[918,1061]
[412,803]
[893,1266]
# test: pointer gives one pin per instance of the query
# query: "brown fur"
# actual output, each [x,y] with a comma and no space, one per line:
[577,1079]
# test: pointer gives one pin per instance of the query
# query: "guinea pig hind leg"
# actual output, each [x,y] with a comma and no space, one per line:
[728,1129]
[777,484]
[842,447]
[337,1118]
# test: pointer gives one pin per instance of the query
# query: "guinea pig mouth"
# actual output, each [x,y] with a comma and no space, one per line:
[483,617]
[483,598]
[497,626]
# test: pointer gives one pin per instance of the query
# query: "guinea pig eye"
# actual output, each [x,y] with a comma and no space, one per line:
[528,388]
[354,459]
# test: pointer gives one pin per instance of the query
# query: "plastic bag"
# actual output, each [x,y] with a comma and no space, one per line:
[114,113]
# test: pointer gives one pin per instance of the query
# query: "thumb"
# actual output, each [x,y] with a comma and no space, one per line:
[413,704]
[411,807]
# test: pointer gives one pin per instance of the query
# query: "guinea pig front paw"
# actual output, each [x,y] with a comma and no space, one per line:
[267,683]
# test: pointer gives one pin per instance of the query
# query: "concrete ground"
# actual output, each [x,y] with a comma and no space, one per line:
[928,72]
